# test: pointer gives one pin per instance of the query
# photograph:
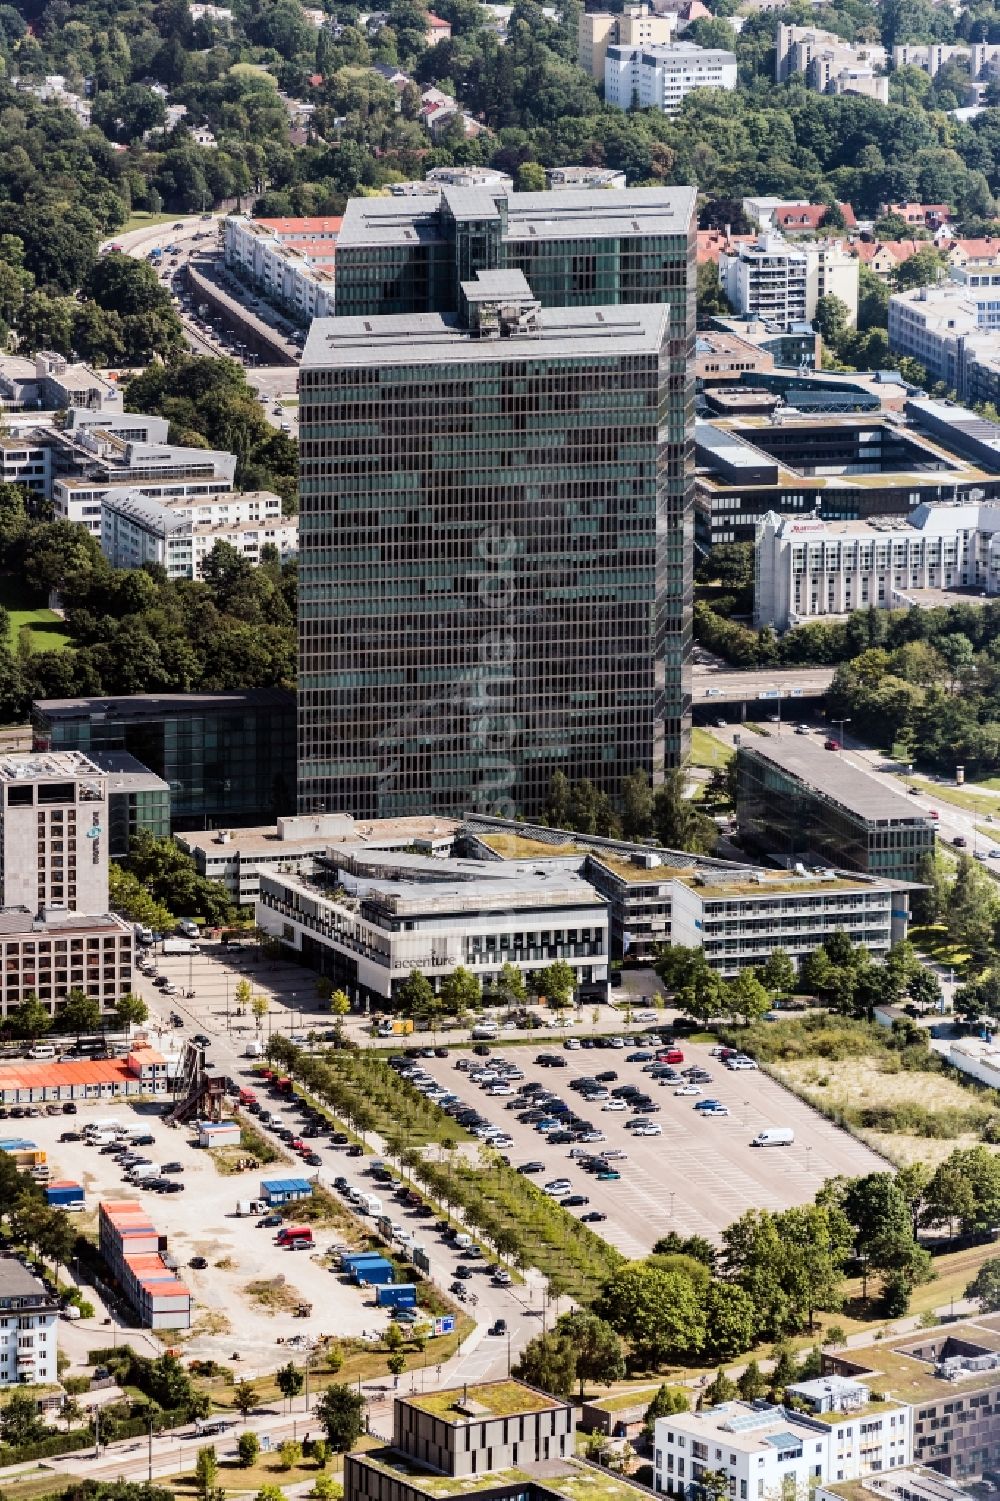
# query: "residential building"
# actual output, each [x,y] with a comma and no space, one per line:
[50,952]
[437,30]
[920,215]
[834,466]
[427,683]
[565,179]
[633,26]
[931,57]
[829,64]
[27,462]
[227,758]
[781,281]
[53,90]
[950,1377]
[366,919]
[133,1250]
[661,77]
[974,263]
[289,261]
[576,248]
[179,535]
[807,218]
[884,257]
[805,804]
[769,1450]
[237,858]
[29,1327]
[137,800]
[808,568]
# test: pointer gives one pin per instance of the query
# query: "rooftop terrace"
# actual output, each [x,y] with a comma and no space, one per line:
[499,1399]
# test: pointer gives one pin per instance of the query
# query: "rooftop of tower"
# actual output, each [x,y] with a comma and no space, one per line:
[591,213]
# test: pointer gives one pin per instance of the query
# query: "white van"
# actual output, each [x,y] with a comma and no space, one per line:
[462,1242]
[485,1031]
[42,1050]
[774,1136]
[372,1204]
[108,1123]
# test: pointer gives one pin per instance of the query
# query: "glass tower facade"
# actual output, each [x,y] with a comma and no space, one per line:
[495,550]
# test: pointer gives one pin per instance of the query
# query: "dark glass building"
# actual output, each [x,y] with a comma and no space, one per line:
[228,759]
[802,803]
[495,548]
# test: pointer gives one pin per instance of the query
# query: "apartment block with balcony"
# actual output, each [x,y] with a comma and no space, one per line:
[29,1328]
[661,77]
[781,282]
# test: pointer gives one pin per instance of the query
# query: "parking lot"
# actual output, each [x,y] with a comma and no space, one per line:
[201,1222]
[695,1177]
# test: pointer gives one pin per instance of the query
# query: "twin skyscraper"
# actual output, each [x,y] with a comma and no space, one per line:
[496,445]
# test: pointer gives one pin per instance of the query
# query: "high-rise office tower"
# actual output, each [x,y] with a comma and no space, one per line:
[495,553]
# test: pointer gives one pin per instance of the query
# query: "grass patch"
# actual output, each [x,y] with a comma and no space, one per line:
[27,607]
[325,1212]
[141,219]
[254,1150]
[273,1294]
[985,801]
[708,751]
[505,1399]
[210,1322]
[934,942]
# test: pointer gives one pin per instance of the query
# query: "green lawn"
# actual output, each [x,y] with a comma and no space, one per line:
[706,750]
[26,608]
[142,220]
[934,942]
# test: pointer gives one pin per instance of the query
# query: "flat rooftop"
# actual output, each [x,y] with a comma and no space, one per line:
[269,839]
[754,1430]
[146,706]
[498,1399]
[916,1483]
[906,1366]
[828,772]
[31,766]
[437,338]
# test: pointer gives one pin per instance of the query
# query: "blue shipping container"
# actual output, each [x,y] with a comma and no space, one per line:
[64,1195]
[359,1258]
[398,1295]
[375,1273]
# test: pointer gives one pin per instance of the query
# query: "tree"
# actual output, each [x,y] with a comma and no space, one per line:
[131,1010]
[341,1411]
[416,993]
[260,1007]
[751,1383]
[510,984]
[659,1311]
[668,1400]
[30,1019]
[730,1321]
[920,270]
[556,982]
[247,1447]
[558,806]
[397,1364]
[747,997]
[245,1397]
[985,1286]
[678,823]
[720,1389]
[80,1013]
[19,1420]
[206,1472]
[289,1454]
[924,989]
[290,1381]
[637,805]
[832,319]
[549,1362]
[340,1003]
[461,991]
[778,973]
[599,1354]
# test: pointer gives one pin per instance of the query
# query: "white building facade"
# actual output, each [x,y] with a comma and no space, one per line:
[29,1328]
[781,281]
[661,77]
[947,327]
[180,534]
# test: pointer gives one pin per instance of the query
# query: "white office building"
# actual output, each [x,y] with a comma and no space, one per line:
[768,1451]
[781,281]
[661,77]
[366,919]
[29,1328]
[805,568]
[179,534]
[947,327]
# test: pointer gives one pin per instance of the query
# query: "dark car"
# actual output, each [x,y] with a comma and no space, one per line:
[198,1262]
[574,1201]
[202,1040]
[499,1327]
[481,1050]
[355,1151]
[607,1077]
[69,1108]
[593,1217]
[532,1167]
[440,1052]
[313,1159]
[174,1188]
[172,1167]
[339,1138]
[463,1273]
[339,1183]
[70,1136]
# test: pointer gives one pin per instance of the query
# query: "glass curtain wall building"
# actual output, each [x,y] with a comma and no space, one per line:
[496,519]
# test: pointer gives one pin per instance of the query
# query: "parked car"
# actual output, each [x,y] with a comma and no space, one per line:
[593,1217]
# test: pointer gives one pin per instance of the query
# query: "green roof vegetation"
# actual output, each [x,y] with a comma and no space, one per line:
[501,1399]
[591,1485]
[392,1462]
[519,847]
[910,1379]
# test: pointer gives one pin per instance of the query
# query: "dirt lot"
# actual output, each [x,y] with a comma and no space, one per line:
[202,1222]
[699,1175]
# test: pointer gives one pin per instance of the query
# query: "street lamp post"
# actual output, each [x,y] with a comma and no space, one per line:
[841,722]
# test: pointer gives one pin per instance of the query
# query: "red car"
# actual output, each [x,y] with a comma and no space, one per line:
[831,745]
[670,1055]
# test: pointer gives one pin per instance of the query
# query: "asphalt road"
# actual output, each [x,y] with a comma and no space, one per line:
[719,681]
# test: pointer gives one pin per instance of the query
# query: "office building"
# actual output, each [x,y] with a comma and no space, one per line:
[506,590]
[228,759]
[575,248]
[29,1327]
[949,328]
[661,77]
[237,858]
[51,383]
[133,1250]
[804,569]
[767,1450]
[803,803]
[914,1483]
[137,800]
[781,281]
[950,1377]
[633,26]
[178,535]
[981,59]
[573,179]
[835,467]
[366,919]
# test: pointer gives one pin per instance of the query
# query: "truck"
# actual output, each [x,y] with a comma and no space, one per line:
[247,1097]
[179,946]
[244,1207]
[774,1136]
[142,933]
[254,1049]
[396,1295]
